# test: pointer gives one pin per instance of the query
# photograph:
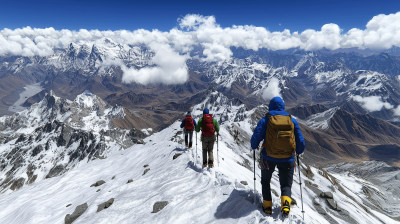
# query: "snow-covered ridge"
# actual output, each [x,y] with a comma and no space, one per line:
[55,134]
[162,170]
[319,120]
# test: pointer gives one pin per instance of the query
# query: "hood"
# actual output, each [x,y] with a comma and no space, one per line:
[276,103]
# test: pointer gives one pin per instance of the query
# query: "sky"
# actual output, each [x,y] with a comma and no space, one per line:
[277,15]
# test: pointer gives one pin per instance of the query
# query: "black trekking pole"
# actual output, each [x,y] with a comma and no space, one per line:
[301,191]
[254,172]
[217,150]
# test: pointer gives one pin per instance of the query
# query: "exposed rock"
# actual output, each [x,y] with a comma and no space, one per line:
[136,136]
[113,178]
[318,206]
[145,171]
[68,205]
[176,155]
[17,184]
[105,205]
[244,182]
[326,195]
[79,210]
[98,183]
[309,172]
[310,184]
[158,206]
[37,150]
[33,179]
[129,181]
[98,190]
[21,138]
[30,171]
[146,165]
[55,171]
[332,203]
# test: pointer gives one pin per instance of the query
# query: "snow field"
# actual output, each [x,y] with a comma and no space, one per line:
[194,195]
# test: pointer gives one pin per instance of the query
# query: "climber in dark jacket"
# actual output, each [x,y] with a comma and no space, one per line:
[268,162]
[188,124]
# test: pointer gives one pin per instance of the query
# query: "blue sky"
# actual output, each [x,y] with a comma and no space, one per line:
[295,15]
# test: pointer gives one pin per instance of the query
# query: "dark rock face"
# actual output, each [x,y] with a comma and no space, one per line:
[328,195]
[37,150]
[244,182]
[303,112]
[56,170]
[79,210]
[145,171]
[332,203]
[136,136]
[105,205]
[98,183]
[158,206]
[17,184]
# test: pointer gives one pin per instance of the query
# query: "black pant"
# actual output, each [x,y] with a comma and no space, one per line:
[286,170]
[188,138]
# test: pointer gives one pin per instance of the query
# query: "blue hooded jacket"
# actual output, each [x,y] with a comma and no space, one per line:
[276,107]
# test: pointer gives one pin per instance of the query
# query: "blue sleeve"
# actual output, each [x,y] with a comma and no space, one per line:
[259,133]
[300,143]
[183,123]
[194,121]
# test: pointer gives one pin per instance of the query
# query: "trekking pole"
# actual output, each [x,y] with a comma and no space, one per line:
[301,191]
[196,147]
[217,150]
[254,172]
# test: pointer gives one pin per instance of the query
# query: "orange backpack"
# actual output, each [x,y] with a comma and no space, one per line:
[280,141]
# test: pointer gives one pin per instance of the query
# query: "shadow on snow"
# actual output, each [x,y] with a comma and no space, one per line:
[240,203]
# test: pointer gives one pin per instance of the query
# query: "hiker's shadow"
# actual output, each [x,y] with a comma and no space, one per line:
[193,166]
[240,203]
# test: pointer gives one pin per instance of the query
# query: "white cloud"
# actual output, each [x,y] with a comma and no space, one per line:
[382,31]
[396,111]
[272,89]
[372,103]
[170,68]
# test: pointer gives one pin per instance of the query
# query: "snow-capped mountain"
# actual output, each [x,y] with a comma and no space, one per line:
[332,78]
[55,134]
[160,181]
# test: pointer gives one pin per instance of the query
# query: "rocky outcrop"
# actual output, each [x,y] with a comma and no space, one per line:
[105,205]
[158,206]
[79,210]
[56,170]
[98,183]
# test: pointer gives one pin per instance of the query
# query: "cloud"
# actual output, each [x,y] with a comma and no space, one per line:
[381,32]
[396,111]
[272,89]
[372,103]
[169,68]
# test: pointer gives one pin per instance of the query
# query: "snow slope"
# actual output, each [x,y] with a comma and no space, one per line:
[194,195]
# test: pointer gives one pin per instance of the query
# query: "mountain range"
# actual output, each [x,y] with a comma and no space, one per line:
[67,116]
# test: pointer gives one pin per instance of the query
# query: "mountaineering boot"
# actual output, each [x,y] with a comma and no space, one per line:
[211,164]
[204,164]
[285,205]
[267,207]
